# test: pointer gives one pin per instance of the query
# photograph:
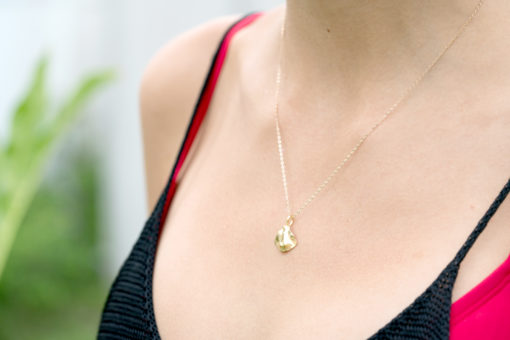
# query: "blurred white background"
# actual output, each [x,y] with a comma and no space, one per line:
[84,35]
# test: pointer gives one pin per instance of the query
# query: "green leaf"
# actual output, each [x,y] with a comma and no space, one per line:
[30,146]
[76,101]
[27,119]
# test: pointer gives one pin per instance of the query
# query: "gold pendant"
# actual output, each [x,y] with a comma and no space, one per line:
[285,239]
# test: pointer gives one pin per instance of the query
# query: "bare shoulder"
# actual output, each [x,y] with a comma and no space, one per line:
[169,88]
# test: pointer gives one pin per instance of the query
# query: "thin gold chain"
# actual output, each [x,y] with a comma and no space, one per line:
[405,94]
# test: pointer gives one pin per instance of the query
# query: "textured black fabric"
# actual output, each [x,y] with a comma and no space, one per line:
[128,312]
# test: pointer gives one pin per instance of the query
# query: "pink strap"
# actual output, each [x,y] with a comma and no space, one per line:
[201,108]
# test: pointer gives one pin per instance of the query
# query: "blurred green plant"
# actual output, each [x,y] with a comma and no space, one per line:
[53,287]
[34,131]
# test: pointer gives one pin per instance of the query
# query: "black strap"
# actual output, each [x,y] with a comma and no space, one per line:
[481,224]
[199,99]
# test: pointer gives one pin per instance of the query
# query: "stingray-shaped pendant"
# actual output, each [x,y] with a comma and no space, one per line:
[285,239]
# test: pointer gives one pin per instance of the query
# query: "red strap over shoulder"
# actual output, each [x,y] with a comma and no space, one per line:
[203,104]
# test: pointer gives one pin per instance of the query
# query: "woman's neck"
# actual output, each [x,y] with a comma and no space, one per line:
[354,49]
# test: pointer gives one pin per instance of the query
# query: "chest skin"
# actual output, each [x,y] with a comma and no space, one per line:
[367,245]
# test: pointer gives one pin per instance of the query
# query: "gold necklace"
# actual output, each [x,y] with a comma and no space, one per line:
[285,239]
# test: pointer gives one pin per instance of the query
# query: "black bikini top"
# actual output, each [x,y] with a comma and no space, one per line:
[128,312]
